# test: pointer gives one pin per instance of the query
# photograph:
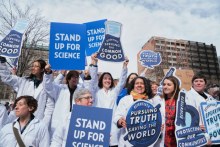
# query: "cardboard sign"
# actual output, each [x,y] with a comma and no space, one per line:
[150,59]
[10,46]
[211,118]
[188,132]
[67,46]
[95,35]
[111,49]
[143,124]
[89,129]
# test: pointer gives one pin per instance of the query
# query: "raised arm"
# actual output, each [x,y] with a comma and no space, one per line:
[123,77]
[93,70]
[51,88]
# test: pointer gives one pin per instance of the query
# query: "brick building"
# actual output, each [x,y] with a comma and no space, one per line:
[182,54]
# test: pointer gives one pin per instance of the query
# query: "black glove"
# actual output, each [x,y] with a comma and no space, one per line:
[2,59]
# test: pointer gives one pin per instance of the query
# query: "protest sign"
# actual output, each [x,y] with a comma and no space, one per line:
[143,124]
[10,46]
[211,118]
[67,46]
[89,129]
[111,49]
[150,59]
[188,132]
[95,35]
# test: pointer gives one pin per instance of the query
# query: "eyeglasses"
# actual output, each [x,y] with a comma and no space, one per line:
[87,97]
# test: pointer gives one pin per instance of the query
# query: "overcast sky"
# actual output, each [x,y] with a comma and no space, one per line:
[195,20]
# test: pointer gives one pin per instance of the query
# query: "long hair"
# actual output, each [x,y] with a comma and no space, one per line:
[127,81]
[42,66]
[176,91]
[100,84]
[147,86]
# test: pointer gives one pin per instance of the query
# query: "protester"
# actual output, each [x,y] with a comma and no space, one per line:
[105,93]
[214,91]
[62,95]
[31,85]
[197,93]
[170,94]
[32,131]
[139,89]
[124,91]
[81,97]
[154,86]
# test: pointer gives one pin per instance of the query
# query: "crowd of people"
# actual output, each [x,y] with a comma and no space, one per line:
[41,111]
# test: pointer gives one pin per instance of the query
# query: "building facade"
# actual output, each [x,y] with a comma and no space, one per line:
[182,54]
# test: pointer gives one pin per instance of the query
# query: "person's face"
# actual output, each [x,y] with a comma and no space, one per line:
[22,109]
[199,85]
[85,100]
[36,68]
[131,78]
[73,81]
[139,86]
[168,88]
[154,89]
[106,82]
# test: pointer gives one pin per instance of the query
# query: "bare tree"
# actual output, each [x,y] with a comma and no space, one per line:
[36,33]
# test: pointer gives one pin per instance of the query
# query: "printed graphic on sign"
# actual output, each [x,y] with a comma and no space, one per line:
[143,124]
[188,132]
[95,34]
[89,129]
[111,49]
[211,118]
[150,59]
[10,46]
[170,72]
[67,46]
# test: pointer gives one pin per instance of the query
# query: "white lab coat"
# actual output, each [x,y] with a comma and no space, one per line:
[108,99]
[60,135]
[3,115]
[194,98]
[36,134]
[158,100]
[23,87]
[61,95]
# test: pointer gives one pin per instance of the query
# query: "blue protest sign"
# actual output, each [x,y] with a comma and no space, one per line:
[150,59]
[188,132]
[67,46]
[95,35]
[89,129]
[111,49]
[10,46]
[143,124]
[211,118]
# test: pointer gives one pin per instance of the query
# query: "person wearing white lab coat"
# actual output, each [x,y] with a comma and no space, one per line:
[31,85]
[62,95]
[197,93]
[105,94]
[81,97]
[139,89]
[32,131]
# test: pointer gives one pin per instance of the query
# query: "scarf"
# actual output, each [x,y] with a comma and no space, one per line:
[36,82]
[137,96]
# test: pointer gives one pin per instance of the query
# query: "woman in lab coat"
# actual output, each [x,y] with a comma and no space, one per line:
[31,130]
